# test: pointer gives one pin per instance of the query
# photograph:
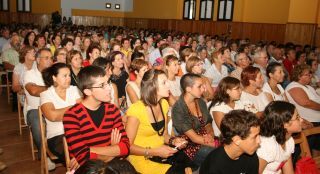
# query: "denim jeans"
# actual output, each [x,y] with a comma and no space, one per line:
[33,122]
[201,155]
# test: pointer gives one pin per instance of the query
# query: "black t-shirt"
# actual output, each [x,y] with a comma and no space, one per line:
[97,115]
[218,162]
[121,82]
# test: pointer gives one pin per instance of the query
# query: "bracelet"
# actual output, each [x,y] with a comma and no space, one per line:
[146,153]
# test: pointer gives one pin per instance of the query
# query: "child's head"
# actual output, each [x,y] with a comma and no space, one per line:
[240,129]
[280,118]
[93,82]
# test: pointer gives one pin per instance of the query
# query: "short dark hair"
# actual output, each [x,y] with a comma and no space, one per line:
[86,76]
[136,55]
[275,115]
[91,48]
[48,73]
[65,41]
[249,73]
[102,62]
[188,80]
[149,86]
[237,123]
[271,68]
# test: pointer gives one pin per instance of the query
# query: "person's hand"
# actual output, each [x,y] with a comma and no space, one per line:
[115,136]
[180,143]
[208,139]
[306,124]
[165,151]
[74,165]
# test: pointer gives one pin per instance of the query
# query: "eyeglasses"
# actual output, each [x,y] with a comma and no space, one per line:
[297,118]
[102,85]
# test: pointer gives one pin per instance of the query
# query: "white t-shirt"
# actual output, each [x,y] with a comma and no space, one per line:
[50,96]
[20,69]
[267,89]
[135,88]
[254,103]
[216,75]
[224,108]
[32,76]
[174,87]
[274,154]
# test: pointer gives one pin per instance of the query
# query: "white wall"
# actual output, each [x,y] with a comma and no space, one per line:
[67,5]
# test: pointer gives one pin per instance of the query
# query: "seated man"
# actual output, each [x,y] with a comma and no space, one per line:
[93,128]
[240,137]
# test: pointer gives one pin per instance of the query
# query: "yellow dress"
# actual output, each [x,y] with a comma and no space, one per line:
[147,137]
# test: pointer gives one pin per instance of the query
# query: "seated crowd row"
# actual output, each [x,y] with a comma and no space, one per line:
[167,108]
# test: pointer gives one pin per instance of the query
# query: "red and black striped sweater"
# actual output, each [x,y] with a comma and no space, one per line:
[81,132]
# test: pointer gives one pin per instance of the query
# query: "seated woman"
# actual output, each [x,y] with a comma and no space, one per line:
[195,65]
[74,60]
[119,73]
[146,126]
[217,70]
[26,62]
[107,65]
[306,100]
[60,55]
[59,97]
[252,97]
[192,119]
[139,67]
[280,121]
[172,69]
[227,98]
[272,89]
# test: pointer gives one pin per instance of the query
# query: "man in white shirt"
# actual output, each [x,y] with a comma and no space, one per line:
[33,86]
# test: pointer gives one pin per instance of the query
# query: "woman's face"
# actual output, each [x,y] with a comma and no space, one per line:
[234,93]
[198,68]
[76,61]
[226,54]
[220,59]
[258,83]
[163,86]
[294,125]
[118,61]
[278,74]
[302,58]
[31,37]
[197,88]
[63,78]
[69,46]
[314,66]
[86,42]
[31,55]
[173,67]
[62,56]
[305,77]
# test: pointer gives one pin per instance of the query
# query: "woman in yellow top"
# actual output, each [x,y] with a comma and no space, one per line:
[146,126]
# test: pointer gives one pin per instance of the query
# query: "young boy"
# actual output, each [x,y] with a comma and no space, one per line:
[240,135]
[93,128]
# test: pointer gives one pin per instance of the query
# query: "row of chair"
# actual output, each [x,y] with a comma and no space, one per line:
[6,85]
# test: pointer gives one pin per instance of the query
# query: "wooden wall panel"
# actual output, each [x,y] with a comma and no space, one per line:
[300,33]
[291,32]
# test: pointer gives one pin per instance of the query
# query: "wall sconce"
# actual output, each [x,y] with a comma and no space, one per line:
[117,6]
[108,5]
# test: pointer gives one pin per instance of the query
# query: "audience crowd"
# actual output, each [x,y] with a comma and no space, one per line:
[154,102]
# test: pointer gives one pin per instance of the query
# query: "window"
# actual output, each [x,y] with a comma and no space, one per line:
[189,9]
[225,10]
[4,5]
[206,9]
[24,5]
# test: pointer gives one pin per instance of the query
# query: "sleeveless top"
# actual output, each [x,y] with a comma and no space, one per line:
[306,113]
[136,90]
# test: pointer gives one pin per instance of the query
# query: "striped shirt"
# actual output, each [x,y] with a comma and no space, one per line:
[81,132]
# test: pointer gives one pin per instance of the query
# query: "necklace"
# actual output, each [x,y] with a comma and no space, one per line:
[156,121]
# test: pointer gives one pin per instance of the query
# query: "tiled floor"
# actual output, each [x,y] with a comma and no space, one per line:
[17,150]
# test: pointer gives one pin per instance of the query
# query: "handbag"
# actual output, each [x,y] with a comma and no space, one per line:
[306,165]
